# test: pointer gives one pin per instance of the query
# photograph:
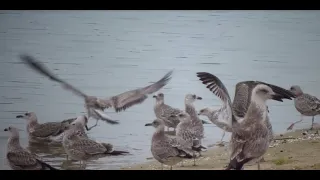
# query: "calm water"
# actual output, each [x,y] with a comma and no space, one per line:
[105,53]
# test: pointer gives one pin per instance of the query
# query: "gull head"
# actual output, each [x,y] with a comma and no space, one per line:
[296,90]
[156,123]
[265,92]
[13,130]
[205,112]
[183,116]
[159,97]
[28,116]
[192,98]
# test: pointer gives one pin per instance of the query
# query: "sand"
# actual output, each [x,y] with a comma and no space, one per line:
[291,151]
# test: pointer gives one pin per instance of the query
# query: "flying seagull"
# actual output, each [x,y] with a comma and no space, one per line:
[94,105]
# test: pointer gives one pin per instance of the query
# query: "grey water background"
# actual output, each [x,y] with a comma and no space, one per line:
[105,53]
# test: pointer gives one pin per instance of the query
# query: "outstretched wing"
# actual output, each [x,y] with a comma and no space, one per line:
[215,85]
[41,69]
[127,99]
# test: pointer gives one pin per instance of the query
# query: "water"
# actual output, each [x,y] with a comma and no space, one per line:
[105,53]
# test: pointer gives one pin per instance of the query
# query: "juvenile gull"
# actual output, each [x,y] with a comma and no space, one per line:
[93,104]
[197,125]
[306,105]
[83,149]
[19,158]
[213,117]
[166,112]
[42,132]
[250,138]
[168,150]
[235,113]
[80,123]
[186,131]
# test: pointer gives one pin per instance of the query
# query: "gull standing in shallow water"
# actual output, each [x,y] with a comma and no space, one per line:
[80,123]
[83,149]
[42,132]
[19,158]
[95,106]
[306,105]
[168,150]
[233,114]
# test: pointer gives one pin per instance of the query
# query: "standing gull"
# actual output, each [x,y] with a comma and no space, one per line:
[187,132]
[84,149]
[306,105]
[42,132]
[95,106]
[197,125]
[250,138]
[168,150]
[235,113]
[80,123]
[19,158]
[166,112]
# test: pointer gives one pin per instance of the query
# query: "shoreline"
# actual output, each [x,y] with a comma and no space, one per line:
[293,150]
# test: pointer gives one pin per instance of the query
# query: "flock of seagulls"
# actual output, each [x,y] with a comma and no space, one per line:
[246,118]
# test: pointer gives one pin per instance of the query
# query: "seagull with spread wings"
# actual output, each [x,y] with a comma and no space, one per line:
[234,113]
[95,106]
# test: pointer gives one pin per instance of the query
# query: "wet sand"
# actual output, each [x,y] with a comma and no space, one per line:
[290,151]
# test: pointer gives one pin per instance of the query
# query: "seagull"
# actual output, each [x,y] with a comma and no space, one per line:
[19,158]
[166,112]
[42,132]
[250,138]
[94,105]
[166,149]
[83,149]
[306,105]
[233,113]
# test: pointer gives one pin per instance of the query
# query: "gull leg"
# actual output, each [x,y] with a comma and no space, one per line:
[170,167]
[224,133]
[259,165]
[182,164]
[93,126]
[312,123]
[291,126]
[161,166]
[194,159]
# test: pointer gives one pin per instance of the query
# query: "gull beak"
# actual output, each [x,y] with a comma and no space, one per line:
[19,116]
[6,129]
[148,124]
[199,98]
[154,96]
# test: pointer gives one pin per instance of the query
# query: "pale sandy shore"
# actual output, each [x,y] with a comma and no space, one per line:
[290,151]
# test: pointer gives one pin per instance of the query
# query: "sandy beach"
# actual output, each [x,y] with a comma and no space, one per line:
[296,150]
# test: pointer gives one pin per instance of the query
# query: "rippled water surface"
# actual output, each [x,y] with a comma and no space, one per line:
[105,53]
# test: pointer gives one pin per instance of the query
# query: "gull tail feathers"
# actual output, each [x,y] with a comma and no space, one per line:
[116,153]
[234,164]
[46,166]
[199,148]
